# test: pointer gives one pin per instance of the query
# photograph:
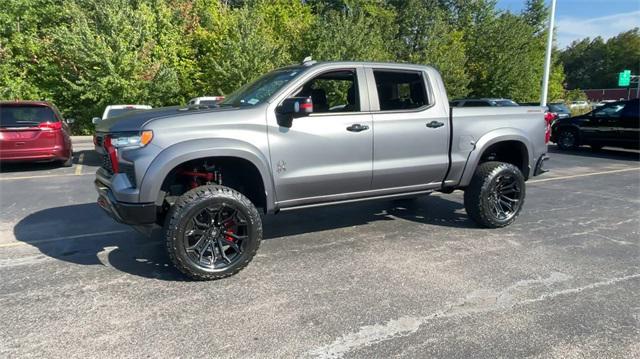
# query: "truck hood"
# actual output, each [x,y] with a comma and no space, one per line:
[137,120]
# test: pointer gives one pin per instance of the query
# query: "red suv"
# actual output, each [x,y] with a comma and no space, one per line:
[34,131]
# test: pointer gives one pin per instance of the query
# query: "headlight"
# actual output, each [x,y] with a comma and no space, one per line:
[125,140]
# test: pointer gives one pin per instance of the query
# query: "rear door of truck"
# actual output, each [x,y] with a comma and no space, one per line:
[410,129]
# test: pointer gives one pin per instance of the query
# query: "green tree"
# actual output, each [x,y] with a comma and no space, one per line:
[426,37]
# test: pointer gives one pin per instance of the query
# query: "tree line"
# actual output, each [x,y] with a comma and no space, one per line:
[595,63]
[86,54]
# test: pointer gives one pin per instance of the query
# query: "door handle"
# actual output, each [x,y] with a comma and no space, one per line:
[435,124]
[356,127]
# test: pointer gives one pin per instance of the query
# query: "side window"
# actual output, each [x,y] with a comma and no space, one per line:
[613,110]
[400,90]
[335,91]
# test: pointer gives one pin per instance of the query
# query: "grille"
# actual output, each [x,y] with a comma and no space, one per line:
[106,163]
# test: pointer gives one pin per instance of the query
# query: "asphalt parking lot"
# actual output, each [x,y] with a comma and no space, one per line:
[411,278]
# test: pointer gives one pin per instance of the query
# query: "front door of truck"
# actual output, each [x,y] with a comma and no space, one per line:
[329,152]
[411,137]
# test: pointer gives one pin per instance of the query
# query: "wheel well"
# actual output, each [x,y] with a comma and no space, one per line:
[233,172]
[514,152]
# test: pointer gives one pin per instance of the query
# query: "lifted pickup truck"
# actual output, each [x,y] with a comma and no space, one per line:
[309,135]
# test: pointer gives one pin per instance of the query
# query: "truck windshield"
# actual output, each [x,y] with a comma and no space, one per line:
[262,89]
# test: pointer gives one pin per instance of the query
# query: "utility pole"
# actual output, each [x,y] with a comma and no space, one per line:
[547,59]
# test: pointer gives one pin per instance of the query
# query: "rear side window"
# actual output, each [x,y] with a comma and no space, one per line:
[25,115]
[119,111]
[400,90]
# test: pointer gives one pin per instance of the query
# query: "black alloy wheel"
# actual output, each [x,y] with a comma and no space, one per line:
[215,237]
[505,197]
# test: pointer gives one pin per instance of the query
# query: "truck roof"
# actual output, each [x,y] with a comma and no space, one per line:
[356,63]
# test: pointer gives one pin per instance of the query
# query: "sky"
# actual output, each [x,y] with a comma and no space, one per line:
[577,19]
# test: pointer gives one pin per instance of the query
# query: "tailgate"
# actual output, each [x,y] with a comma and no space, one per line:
[26,138]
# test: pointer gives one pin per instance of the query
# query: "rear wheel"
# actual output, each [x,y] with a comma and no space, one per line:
[495,195]
[212,232]
[567,140]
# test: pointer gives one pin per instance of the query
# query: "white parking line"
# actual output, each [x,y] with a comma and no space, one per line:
[45,176]
[583,175]
[77,236]
[79,166]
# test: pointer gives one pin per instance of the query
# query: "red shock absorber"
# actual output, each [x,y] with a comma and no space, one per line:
[195,176]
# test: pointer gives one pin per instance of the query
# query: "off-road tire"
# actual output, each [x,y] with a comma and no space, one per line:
[477,194]
[195,200]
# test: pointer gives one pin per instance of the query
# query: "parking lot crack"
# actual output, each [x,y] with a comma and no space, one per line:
[479,301]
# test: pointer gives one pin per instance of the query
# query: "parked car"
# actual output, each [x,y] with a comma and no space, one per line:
[615,124]
[483,102]
[206,100]
[559,109]
[302,136]
[34,131]
[579,105]
[118,110]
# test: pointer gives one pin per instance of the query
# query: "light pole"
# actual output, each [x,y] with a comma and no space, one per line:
[547,59]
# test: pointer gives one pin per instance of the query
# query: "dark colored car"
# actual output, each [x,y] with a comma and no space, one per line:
[33,131]
[483,102]
[557,108]
[615,124]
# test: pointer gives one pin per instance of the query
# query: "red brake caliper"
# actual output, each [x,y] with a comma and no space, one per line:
[228,225]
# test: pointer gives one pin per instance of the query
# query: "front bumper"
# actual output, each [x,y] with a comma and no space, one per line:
[127,213]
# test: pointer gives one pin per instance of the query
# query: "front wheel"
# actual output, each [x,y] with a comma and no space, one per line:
[212,232]
[495,195]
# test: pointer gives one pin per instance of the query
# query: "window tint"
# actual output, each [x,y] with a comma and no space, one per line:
[335,91]
[506,103]
[610,110]
[475,103]
[25,115]
[400,90]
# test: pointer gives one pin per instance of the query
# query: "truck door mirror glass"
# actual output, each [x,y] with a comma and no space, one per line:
[293,107]
[96,120]
[69,121]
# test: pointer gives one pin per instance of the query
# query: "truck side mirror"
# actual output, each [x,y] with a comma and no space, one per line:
[69,121]
[293,107]
[96,120]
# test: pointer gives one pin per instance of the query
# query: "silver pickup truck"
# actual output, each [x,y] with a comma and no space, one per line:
[309,135]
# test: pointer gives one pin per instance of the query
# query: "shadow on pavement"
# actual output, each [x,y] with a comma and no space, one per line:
[98,240]
[611,153]
[90,158]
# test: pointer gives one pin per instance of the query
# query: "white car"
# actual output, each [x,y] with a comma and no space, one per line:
[206,100]
[579,104]
[117,110]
